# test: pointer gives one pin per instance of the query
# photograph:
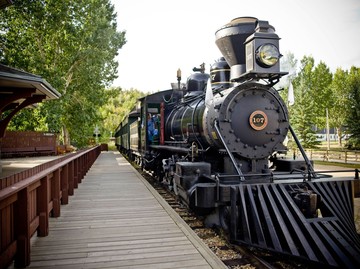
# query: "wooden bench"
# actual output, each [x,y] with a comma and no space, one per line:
[8,152]
[46,150]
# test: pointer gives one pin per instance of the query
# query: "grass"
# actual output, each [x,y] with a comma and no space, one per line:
[347,165]
[111,146]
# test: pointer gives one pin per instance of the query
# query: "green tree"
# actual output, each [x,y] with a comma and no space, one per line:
[353,118]
[320,92]
[28,120]
[120,103]
[338,110]
[302,113]
[72,44]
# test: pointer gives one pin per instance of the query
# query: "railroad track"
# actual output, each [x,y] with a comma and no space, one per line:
[233,256]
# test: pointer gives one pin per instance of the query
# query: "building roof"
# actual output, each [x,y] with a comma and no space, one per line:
[20,89]
[13,80]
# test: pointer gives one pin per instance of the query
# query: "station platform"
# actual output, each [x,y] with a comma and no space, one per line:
[12,166]
[116,219]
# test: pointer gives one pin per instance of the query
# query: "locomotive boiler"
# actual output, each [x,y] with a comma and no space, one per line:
[218,144]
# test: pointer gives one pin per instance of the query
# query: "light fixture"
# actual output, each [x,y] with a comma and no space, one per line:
[267,55]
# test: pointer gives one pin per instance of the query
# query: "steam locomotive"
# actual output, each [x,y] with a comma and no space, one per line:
[218,143]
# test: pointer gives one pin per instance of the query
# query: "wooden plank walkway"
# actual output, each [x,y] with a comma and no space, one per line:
[117,220]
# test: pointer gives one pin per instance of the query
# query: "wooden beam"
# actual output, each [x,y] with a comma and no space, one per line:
[29,101]
[20,93]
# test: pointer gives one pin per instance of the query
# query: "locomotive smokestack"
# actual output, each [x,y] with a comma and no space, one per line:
[230,40]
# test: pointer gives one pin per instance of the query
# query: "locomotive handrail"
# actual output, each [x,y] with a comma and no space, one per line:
[193,120]
[237,168]
[307,161]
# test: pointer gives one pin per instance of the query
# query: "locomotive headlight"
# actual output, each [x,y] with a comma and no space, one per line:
[267,55]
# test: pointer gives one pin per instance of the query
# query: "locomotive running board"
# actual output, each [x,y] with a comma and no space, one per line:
[267,217]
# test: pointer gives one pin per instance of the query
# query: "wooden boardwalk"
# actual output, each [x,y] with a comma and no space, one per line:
[117,220]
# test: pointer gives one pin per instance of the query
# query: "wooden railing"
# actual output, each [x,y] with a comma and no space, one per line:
[19,176]
[344,156]
[27,203]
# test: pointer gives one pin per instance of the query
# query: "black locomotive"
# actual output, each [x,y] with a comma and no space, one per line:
[218,144]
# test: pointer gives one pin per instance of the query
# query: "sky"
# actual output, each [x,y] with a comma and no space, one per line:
[164,35]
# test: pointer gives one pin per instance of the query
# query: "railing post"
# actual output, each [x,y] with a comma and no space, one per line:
[65,185]
[8,238]
[76,173]
[43,197]
[55,193]
[80,168]
[84,165]
[71,178]
[22,229]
